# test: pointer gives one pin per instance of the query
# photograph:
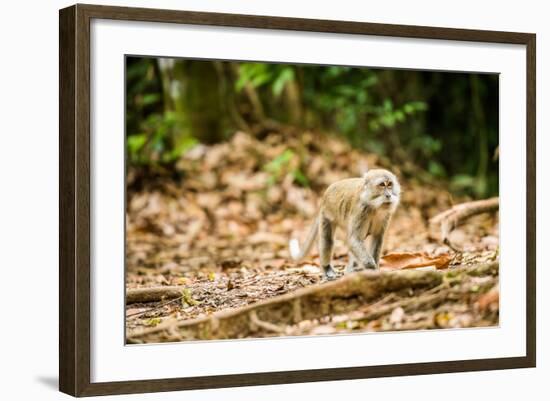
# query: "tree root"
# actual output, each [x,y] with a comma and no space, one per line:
[451,218]
[460,294]
[273,316]
[153,294]
[276,316]
[255,322]
[428,300]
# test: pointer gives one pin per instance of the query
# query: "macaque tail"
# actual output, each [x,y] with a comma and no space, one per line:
[294,245]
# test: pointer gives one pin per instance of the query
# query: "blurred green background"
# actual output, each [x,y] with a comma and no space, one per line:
[442,124]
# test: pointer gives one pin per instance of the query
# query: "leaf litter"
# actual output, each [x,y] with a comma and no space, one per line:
[219,228]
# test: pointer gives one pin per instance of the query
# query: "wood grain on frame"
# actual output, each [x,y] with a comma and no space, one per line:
[74,199]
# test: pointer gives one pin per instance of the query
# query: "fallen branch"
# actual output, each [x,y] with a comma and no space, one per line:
[153,294]
[427,300]
[337,297]
[460,292]
[157,307]
[451,218]
[256,322]
[407,304]
[433,296]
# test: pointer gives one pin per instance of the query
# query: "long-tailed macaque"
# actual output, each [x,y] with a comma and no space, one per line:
[362,207]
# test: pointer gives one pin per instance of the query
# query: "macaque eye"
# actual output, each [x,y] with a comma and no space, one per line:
[390,184]
[381,185]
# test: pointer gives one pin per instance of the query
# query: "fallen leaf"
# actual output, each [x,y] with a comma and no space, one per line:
[153,321]
[427,268]
[413,260]
[442,319]
[268,238]
[187,298]
[488,299]
[274,263]
[397,315]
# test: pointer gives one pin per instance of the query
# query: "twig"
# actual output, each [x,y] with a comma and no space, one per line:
[155,308]
[451,218]
[255,321]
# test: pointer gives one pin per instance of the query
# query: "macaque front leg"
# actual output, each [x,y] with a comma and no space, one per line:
[356,242]
[375,241]
[374,246]
[361,254]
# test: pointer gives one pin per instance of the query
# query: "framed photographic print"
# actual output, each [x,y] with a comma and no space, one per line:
[251,200]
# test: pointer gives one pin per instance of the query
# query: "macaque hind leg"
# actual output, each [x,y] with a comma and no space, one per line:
[352,264]
[326,243]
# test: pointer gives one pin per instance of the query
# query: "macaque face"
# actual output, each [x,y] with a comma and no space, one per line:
[382,188]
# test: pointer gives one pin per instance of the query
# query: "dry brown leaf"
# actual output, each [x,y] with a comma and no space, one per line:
[222,228]
[274,263]
[488,299]
[413,260]
[269,238]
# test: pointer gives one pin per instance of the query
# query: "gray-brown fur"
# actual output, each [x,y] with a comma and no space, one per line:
[362,207]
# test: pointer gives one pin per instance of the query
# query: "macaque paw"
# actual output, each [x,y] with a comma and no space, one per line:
[370,264]
[330,273]
[351,268]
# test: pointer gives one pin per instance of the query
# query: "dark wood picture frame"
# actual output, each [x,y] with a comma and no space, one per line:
[74,199]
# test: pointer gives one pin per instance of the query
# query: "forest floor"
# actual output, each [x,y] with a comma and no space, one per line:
[217,231]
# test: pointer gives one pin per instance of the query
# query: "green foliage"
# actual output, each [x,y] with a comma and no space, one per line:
[284,164]
[351,100]
[153,131]
[158,144]
[135,143]
[388,116]
[436,169]
[343,95]
[275,76]
[154,321]
[300,177]
[277,165]
[446,123]
[187,299]
[462,182]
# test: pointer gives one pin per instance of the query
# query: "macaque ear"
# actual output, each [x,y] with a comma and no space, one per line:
[366,179]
